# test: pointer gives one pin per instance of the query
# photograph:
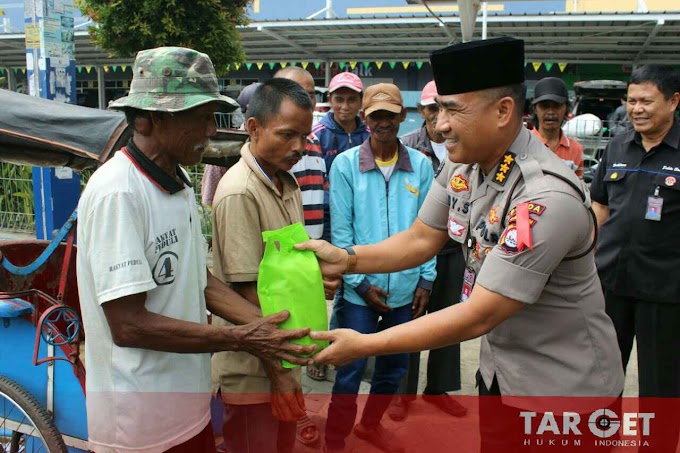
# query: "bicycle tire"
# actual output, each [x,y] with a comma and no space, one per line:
[34,413]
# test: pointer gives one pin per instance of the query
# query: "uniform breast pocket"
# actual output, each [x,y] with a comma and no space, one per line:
[459,218]
[669,191]
[615,182]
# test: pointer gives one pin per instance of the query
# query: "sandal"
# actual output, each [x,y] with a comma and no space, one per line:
[316,372]
[307,432]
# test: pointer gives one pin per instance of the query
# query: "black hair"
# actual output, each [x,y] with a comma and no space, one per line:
[518,92]
[267,99]
[666,79]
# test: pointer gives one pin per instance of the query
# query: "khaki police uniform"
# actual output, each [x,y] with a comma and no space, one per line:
[561,342]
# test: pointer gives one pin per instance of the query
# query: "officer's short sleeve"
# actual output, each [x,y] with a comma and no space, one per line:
[560,227]
[435,209]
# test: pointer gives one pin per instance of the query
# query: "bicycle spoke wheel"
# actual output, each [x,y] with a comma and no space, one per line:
[25,426]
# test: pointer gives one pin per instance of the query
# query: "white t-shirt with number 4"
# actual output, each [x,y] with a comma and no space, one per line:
[134,237]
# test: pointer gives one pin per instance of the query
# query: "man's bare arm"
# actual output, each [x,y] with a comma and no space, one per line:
[601,213]
[132,325]
[237,307]
[404,250]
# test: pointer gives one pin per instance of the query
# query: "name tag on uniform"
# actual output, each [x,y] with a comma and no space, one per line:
[654,206]
[468,283]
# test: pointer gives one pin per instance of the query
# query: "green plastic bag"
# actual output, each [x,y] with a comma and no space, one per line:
[290,279]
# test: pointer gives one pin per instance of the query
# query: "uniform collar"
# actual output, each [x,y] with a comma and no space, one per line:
[367,158]
[506,170]
[289,182]
[153,172]
[671,139]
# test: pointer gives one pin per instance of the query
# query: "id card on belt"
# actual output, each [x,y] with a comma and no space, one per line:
[468,283]
[654,206]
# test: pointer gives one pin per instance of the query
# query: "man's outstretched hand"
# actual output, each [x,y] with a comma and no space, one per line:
[346,346]
[266,341]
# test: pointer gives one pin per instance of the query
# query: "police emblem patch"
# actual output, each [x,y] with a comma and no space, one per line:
[493,215]
[670,181]
[459,184]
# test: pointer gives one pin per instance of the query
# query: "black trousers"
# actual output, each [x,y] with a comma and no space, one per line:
[443,364]
[655,326]
[501,428]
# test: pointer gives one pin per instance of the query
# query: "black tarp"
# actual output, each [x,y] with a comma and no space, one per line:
[38,131]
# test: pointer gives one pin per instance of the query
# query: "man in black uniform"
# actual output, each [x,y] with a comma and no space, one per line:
[636,196]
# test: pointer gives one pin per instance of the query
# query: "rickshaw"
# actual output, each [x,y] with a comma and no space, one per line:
[42,340]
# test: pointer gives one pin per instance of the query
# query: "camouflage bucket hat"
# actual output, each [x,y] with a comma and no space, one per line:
[172,79]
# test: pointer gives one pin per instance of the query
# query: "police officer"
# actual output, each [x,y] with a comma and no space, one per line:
[636,195]
[530,284]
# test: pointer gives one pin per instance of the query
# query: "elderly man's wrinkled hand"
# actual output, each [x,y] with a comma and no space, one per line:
[287,400]
[266,341]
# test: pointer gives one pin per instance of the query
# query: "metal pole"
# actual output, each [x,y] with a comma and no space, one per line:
[329,9]
[484,16]
[11,79]
[101,87]
[327,70]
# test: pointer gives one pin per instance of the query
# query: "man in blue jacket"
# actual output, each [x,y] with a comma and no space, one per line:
[342,128]
[377,189]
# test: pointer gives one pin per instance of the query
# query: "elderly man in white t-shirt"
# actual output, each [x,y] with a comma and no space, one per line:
[142,277]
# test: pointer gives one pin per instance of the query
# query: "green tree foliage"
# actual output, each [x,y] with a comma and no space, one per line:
[127,26]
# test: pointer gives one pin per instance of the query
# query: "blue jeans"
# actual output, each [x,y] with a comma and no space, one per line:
[389,370]
[336,314]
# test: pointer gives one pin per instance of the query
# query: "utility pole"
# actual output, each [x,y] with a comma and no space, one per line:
[51,74]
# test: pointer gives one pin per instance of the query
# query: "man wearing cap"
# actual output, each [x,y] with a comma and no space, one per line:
[142,277]
[339,130]
[258,194]
[342,128]
[550,104]
[377,189]
[443,365]
[531,286]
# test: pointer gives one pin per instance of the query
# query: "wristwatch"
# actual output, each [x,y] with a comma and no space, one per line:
[351,260]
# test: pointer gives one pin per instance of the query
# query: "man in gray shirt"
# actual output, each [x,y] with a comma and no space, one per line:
[530,286]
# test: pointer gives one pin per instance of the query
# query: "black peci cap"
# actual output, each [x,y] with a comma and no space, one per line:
[550,89]
[478,65]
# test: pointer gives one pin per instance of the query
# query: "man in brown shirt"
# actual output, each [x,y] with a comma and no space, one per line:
[255,195]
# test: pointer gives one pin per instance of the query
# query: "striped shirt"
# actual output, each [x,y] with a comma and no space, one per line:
[310,173]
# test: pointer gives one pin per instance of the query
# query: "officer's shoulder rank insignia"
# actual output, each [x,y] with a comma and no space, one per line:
[507,162]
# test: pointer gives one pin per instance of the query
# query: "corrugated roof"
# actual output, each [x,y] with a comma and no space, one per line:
[635,38]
